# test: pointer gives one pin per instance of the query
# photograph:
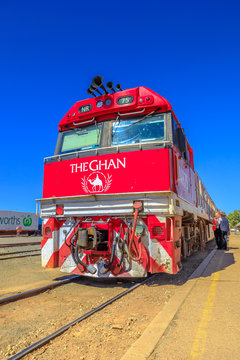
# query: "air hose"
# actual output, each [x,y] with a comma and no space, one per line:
[126,237]
[131,242]
[74,226]
[137,206]
[76,258]
[107,266]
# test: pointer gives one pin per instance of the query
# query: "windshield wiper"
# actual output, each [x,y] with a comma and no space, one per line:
[145,117]
[82,133]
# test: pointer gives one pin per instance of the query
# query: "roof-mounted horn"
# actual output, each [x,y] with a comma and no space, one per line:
[118,87]
[98,83]
[110,86]
[90,92]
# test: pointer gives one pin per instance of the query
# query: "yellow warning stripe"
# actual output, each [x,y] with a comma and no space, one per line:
[198,347]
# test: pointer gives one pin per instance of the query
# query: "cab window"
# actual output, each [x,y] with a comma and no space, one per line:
[81,139]
[131,131]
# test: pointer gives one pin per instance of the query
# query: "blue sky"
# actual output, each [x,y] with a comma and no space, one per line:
[187,51]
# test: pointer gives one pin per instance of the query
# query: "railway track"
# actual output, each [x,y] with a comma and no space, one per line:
[60,331]
[42,342]
[37,291]
[5,256]
[21,253]
[20,244]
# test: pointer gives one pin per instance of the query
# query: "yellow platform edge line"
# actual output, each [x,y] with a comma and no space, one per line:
[142,348]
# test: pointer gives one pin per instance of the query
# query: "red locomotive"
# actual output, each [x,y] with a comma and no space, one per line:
[121,197]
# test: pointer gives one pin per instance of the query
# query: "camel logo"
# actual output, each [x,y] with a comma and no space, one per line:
[97,182]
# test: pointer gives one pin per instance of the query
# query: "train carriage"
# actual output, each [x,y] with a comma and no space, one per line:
[121,197]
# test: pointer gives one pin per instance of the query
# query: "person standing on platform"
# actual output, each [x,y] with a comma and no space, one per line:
[225,230]
[216,229]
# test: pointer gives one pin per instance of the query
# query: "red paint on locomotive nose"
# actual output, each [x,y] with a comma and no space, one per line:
[123,185]
[71,177]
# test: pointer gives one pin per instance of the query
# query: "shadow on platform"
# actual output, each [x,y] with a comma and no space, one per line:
[220,262]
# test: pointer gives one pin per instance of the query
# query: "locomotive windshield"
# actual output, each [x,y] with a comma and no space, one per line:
[138,130]
[123,132]
[81,139]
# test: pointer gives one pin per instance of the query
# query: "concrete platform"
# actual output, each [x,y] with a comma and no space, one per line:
[202,320]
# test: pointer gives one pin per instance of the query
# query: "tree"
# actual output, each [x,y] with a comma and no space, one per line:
[234,218]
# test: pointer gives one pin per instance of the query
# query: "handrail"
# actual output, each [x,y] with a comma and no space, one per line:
[160,142]
[84,122]
[132,113]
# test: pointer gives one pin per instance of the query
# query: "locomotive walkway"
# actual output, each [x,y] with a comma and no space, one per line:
[202,320]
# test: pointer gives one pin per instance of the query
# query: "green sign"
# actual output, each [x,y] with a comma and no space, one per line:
[27,221]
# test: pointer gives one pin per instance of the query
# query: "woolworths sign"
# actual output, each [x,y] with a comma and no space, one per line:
[9,220]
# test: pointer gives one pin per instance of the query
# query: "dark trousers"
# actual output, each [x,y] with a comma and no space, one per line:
[224,239]
[218,238]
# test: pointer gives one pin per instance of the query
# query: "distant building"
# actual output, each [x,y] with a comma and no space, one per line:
[12,222]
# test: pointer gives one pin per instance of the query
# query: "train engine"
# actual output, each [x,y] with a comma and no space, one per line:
[121,197]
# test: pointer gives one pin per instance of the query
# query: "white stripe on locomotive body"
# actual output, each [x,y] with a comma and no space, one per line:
[160,255]
[69,265]
[45,251]
[157,251]
[50,247]
[65,231]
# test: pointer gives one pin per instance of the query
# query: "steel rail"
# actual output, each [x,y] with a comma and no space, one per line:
[60,331]
[20,244]
[37,291]
[18,252]
[18,257]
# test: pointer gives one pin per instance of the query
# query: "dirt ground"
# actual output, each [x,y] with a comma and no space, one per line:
[23,274]
[105,335]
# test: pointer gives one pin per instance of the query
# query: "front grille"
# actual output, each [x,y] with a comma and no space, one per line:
[157,231]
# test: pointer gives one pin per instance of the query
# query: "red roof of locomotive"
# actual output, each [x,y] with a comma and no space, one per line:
[144,101]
